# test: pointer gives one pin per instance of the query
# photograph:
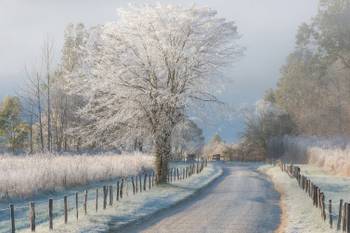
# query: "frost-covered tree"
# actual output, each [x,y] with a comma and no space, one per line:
[188,138]
[266,122]
[145,70]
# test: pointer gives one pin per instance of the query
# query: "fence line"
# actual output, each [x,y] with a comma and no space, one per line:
[117,190]
[318,199]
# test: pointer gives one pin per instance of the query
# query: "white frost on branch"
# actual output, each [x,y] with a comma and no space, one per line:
[143,72]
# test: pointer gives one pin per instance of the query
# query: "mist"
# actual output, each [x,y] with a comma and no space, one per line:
[267,31]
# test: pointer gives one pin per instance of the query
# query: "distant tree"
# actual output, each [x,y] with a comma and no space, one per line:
[47,59]
[11,125]
[265,123]
[215,146]
[314,87]
[188,138]
[216,139]
[270,96]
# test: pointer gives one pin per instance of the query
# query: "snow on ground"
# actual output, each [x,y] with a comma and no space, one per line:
[25,176]
[299,214]
[133,208]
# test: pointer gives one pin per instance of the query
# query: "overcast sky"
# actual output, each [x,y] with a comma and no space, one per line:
[267,27]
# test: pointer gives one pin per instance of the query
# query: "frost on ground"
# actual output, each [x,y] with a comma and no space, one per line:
[24,176]
[299,214]
[133,208]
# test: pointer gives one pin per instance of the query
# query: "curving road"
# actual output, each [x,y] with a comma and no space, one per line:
[241,201]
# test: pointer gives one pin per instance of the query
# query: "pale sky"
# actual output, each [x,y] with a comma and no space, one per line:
[268,29]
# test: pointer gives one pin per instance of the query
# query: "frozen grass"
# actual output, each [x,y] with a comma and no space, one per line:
[24,176]
[299,214]
[332,155]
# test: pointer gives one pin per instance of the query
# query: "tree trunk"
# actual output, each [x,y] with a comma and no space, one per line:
[48,112]
[162,152]
[31,132]
[39,114]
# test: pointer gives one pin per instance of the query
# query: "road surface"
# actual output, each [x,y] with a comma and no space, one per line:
[241,201]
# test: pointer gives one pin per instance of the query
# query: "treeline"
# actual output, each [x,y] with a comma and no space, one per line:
[315,84]
[312,96]
[45,116]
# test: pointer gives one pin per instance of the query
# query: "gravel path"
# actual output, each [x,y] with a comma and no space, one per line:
[241,201]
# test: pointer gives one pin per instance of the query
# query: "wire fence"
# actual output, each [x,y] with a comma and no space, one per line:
[337,216]
[75,206]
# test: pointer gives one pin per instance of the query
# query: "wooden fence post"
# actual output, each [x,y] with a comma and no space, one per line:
[136,184]
[96,199]
[12,217]
[140,179]
[133,185]
[330,213]
[171,175]
[85,201]
[323,207]
[32,216]
[345,207]
[118,191]
[76,206]
[104,197]
[340,214]
[110,195]
[348,218]
[50,214]
[315,195]
[168,177]
[121,188]
[65,209]
[149,181]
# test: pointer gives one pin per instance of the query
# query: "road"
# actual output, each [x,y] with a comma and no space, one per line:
[241,201]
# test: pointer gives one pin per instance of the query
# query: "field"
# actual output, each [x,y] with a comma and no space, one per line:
[25,176]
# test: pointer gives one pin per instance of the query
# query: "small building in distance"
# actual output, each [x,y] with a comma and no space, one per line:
[216,157]
[191,157]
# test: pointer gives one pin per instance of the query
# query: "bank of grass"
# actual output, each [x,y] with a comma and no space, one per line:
[27,175]
[332,154]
